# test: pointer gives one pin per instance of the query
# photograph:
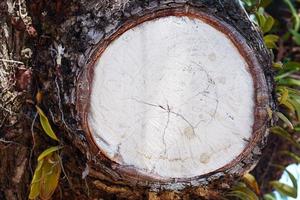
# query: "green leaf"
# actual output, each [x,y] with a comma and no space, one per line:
[294,182]
[284,134]
[289,106]
[292,155]
[284,189]
[271,40]
[269,197]
[265,21]
[277,65]
[46,175]
[250,180]
[296,36]
[250,5]
[284,100]
[284,96]
[51,172]
[291,65]
[284,75]
[260,17]
[297,128]
[249,2]
[292,92]
[45,124]
[296,105]
[35,187]
[285,120]
[268,24]
[238,194]
[243,190]
[294,13]
[265,3]
[48,152]
[289,82]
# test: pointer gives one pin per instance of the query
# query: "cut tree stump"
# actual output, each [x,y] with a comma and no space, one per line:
[152,99]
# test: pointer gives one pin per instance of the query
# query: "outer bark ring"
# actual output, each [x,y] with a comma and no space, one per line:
[262,101]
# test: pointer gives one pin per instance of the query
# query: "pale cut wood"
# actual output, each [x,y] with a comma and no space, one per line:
[172,98]
[84,29]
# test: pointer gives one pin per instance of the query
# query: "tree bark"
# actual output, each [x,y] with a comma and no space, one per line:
[51,54]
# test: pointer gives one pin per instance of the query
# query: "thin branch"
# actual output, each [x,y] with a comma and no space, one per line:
[33,139]
[11,61]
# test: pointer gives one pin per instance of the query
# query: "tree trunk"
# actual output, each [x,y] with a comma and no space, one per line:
[156,99]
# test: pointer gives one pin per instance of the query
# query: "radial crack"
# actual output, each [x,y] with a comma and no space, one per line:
[169,111]
[184,119]
[164,135]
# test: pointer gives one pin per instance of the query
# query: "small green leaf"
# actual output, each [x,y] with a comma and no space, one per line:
[285,120]
[277,65]
[294,182]
[284,189]
[48,152]
[251,5]
[250,180]
[292,65]
[289,82]
[265,3]
[51,172]
[45,124]
[271,40]
[292,155]
[265,21]
[296,105]
[296,36]
[244,191]
[268,24]
[238,194]
[46,175]
[294,13]
[288,69]
[284,75]
[297,128]
[35,187]
[269,197]
[284,134]
[284,96]
[289,106]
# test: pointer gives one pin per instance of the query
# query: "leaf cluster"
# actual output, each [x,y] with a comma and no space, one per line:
[288,96]
[46,175]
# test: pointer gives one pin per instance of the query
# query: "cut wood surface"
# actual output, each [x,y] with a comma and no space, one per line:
[176,98]
[172,97]
[154,99]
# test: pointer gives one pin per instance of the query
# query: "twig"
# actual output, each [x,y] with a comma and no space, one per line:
[8,142]
[11,61]
[87,187]
[64,172]
[33,139]
[295,15]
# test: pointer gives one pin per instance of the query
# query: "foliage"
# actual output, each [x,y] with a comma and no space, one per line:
[46,125]
[296,25]
[286,189]
[288,93]
[46,175]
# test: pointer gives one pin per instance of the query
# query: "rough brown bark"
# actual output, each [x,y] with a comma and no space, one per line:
[68,32]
